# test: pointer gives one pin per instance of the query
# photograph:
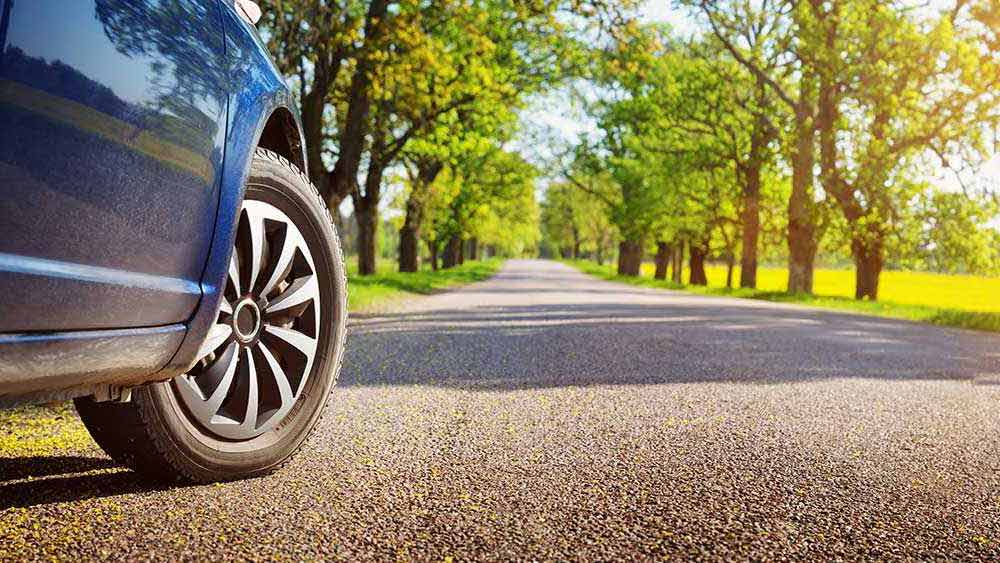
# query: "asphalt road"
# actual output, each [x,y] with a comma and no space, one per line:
[547,415]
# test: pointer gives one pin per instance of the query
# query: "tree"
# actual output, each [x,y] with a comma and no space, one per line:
[914,85]
[373,76]
[776,41]
[330,50]
[472,130]
[951,232]
[720,117]
[423,173]
[575,222]
[494,203]
[562,225]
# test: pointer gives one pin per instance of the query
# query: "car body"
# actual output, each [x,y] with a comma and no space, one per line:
[127,129]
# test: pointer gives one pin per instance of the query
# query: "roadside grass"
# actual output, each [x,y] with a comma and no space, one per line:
[947,300]
[388,285]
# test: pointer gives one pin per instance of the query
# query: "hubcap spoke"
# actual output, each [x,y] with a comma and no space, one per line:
[225,384]
[234,274]
[280,378]
[256,247]
[300,291]
[216,336]
[223,370]
[250,420]
[234,355]
[284,261]
[300,341]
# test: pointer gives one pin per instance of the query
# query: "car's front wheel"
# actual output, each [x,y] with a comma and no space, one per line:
[269,362]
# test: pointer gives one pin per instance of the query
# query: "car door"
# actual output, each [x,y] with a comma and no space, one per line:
[112,126]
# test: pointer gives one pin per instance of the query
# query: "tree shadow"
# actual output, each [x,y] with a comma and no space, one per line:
[35,480]
[686,340]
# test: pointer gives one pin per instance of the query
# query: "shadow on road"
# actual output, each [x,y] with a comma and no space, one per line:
[35,480]
[688,339]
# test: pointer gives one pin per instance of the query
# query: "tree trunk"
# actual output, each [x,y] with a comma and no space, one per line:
[461,252]
[473,248]
[751,227]
[678,263]
[662,260]
[343,180]
[367,218]
[869,258]
[698,253]
[432,246]
[600,254]
[409,249]
[801,217]
[452,250]
[629,258]
[312,105]
[763,134]
[366,212]
[409,234]
[730,264]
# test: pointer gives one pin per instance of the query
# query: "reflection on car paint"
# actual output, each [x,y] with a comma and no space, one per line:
[124,103]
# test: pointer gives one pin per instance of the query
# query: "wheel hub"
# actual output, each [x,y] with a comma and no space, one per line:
[246,320]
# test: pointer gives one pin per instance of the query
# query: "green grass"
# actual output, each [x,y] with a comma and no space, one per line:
[947,300]
[388,285]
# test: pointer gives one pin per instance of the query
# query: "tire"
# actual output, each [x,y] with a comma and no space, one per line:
[283,351]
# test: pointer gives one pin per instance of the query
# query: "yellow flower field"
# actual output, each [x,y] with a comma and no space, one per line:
[948,300]
[968,293]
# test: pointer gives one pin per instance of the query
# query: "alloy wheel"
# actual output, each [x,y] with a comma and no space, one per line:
[259,353]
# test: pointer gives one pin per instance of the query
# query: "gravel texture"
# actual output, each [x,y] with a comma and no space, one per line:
[547,415]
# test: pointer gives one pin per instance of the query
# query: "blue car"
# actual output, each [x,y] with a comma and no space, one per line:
[164,260]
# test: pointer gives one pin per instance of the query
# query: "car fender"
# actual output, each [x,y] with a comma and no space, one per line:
[258,93]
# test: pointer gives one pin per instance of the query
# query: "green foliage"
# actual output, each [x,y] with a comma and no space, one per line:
[827,117]
[494,202]
[821,122]
[896,89]
[575,223]
[685,138]
[954,235]
[385,82]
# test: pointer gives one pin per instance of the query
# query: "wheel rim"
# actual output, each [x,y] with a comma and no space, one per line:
[258,355]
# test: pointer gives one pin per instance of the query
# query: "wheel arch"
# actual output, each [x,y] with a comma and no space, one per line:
[281,134]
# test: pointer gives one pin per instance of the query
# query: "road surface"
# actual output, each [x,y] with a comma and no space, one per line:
[544,414]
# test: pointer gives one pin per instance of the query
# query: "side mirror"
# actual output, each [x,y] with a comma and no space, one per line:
[249,10]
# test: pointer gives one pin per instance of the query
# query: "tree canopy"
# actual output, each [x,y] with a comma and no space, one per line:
[795,131]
